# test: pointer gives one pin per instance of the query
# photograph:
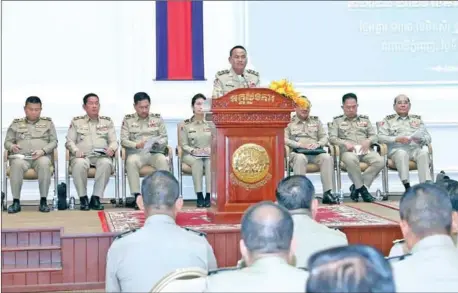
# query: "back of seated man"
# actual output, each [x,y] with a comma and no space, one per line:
[266,238]
[354,268]
[426,221]
[297,194]
[136,262]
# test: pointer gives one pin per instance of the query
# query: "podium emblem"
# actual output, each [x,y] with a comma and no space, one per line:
[250,163]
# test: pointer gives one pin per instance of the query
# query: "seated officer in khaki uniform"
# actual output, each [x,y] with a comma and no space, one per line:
[297,194]
[91,140]
[307,133]
[426,221]
[136,130]
[196,138]
[237,76]
[34,137]
[396,131]
[350,132]
[265,245]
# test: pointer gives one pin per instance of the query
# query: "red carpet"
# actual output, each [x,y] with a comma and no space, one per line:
[338,215]
[392,204]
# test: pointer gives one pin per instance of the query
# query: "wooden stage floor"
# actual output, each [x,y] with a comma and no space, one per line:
[66,250]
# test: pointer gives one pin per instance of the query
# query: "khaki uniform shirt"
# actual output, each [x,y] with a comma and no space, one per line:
[228,80]
[196,134]
[85,134]
[354,130]
[311,237]
[394,125]
[135,129]
[267,274]
[31,136]
[305,132]
[432,267]
[136,262]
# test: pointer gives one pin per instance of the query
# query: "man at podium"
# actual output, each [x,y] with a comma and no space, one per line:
[236,77]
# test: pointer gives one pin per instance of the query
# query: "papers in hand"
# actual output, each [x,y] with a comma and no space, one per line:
[358,150]
[150,142]
[20,156]
[418,135]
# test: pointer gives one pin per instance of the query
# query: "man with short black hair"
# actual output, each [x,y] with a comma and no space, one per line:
[137,260]
[426,221]
[136,130]
[266,247]
[354,135]
[30,143]
[297,194]
[236,77]
[91,141]
[354,268]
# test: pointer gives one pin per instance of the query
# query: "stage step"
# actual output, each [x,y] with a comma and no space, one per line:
[40,268]
[30,248]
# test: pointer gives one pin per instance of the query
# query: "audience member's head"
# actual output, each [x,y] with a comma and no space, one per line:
[354,268]
[297,193]
[267,230]
[160,194]
[425,210]
[454,199]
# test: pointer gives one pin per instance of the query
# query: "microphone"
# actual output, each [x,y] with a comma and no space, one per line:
[245,81]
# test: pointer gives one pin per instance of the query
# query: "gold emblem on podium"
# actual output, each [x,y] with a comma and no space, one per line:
[250,166]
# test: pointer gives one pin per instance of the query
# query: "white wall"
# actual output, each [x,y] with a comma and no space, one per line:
[62,50]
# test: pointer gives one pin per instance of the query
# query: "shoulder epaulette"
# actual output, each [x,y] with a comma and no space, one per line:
[129,116]
[200,233]
[337,117]
[45,118]
[214,272]
[124,234]
[19,119]
[415,116]
[105,117]
[399,241]
[364,116]
[399,257]
[293,117]
[222,72]
[390,116]
[253,72]
[155,115]
[187,121]
[78,117]
[313,117]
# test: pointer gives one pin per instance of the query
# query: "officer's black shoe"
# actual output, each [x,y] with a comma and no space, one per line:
[95,204]
[367,197]
[329,198]
[406,185]
[354,193]
[44,208]
[135,202]
[15,207]
[200,200]
[207,202]
[84,203]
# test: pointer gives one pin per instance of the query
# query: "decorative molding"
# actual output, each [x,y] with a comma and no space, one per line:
[251,118]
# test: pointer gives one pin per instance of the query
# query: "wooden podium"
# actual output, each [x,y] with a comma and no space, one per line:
[247,150]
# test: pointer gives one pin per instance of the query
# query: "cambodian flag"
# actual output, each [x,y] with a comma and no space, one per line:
[179,40]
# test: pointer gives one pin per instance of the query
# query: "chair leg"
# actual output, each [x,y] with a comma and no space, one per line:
[180,177]
[117,179]
[385,178]
[67,179]
[339,175]
[5,191]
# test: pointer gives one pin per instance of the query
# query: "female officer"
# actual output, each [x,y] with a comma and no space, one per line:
[195,140]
